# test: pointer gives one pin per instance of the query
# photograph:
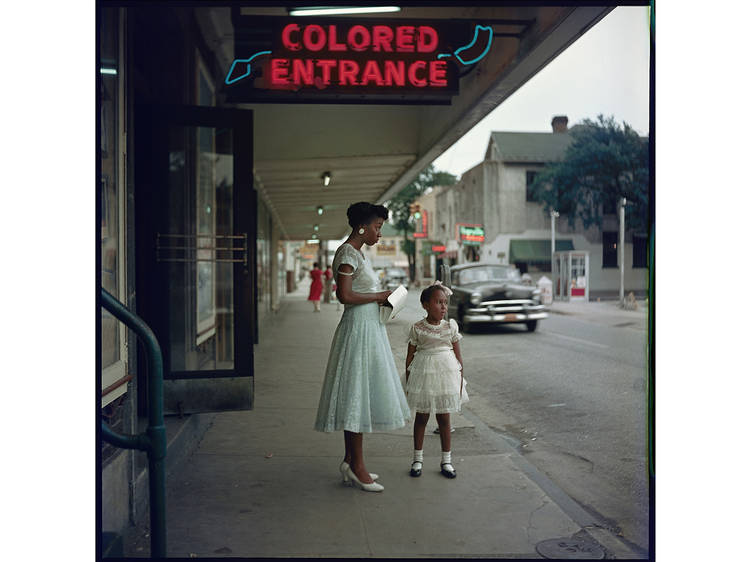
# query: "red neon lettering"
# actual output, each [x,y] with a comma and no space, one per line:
[372,72]
[405,39]
[332,45]
[438,69]
[286,37]
[279,71]
[427,39]
[326,65]
[348,70]
[418,82]
[395,73]
[316,43]
[382,37]
[302,72]
[363,43]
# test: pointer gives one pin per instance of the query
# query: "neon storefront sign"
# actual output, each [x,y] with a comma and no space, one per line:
[367,57]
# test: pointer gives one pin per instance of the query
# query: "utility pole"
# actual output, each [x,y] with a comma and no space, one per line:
[553,215]
[621,253]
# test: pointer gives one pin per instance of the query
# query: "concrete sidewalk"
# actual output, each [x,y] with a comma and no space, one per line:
[263,483]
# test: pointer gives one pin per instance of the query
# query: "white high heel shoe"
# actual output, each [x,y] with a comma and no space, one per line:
[345,478]
[373,487]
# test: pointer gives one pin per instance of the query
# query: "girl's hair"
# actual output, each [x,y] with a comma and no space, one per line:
[427,293]
[365,213]
[315,264]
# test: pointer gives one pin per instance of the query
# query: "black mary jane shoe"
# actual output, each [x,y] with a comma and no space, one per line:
[447,473]
[415,472]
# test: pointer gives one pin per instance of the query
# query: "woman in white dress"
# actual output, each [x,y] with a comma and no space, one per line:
[362,390]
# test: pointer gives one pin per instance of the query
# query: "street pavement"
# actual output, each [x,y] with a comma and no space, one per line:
[573,397]
[263,483]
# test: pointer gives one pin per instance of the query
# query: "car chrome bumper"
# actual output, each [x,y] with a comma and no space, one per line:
[476,315]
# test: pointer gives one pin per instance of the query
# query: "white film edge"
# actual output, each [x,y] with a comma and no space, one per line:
[397,301]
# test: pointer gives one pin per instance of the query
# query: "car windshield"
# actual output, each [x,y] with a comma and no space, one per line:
[487,273]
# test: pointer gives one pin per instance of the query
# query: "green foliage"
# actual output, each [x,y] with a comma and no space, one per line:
[399,206]
[604,162]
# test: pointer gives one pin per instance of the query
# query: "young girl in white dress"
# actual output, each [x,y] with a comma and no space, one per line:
[434,375]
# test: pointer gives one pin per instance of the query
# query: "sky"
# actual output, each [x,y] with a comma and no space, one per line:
[605,71]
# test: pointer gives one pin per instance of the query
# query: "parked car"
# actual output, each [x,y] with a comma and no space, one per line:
[395,276]
[491,293]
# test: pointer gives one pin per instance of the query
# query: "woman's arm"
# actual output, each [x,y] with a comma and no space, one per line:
[346,295]
[409,358]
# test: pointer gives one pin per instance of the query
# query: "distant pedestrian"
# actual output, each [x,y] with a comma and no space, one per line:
[328,275]
[361,391]
[434,375]
[316,287]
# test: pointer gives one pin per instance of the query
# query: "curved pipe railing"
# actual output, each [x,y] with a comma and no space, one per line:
[154,440]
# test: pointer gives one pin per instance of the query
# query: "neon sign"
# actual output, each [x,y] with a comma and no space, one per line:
[470,233]
[348,56]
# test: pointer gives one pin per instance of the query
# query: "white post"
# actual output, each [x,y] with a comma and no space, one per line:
[621,253]
[553,215]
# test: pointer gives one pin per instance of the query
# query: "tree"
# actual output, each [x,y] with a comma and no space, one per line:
[604,162]
[401,215]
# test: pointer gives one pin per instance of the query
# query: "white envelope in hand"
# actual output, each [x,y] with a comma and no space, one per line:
[396,302]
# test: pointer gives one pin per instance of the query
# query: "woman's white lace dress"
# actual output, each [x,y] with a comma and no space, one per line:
[362,390]
[434,380]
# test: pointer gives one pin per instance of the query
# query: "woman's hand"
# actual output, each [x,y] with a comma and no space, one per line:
[383,296]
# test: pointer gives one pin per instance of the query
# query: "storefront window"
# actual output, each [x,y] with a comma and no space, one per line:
[109,181]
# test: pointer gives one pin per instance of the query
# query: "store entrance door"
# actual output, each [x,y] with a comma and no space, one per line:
[195,211]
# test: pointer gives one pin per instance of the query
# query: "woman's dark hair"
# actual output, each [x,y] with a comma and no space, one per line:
[427,293]
[365,213]
[315,264]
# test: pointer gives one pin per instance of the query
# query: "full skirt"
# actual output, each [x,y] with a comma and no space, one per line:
[434,384]
[362,390]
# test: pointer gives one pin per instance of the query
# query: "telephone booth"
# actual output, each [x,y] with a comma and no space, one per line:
[571,275]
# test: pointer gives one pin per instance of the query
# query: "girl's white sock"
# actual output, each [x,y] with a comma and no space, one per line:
[446,459]
[418,456]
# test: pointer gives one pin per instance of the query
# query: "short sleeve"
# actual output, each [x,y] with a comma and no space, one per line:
[412,338]
[346,256]
[455,336]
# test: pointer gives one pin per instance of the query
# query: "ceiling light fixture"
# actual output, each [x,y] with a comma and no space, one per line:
[316,227]
[326,177]
[341,10]
[320,210]
[106,70]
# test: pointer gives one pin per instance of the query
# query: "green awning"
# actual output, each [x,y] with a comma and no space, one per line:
[536,250]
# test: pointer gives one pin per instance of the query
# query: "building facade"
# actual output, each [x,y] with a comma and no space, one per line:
[495,195]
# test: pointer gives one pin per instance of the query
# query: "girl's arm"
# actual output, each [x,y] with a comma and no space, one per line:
[457,351]
[346,295]
[409,357]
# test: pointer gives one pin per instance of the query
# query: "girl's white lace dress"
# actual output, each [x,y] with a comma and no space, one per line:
[435,373]
[362,390]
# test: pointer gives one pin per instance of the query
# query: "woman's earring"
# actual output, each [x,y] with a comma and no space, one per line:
[361,231]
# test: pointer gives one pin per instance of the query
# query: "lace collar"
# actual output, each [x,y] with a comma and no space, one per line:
[423,323]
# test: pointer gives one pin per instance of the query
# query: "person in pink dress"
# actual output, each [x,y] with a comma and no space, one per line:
[316,287]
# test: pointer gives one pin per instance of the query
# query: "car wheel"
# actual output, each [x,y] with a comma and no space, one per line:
[531,325]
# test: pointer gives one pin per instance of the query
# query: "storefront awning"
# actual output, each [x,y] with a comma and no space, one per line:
[536,250]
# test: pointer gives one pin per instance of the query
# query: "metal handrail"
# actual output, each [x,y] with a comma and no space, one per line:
[154,440]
